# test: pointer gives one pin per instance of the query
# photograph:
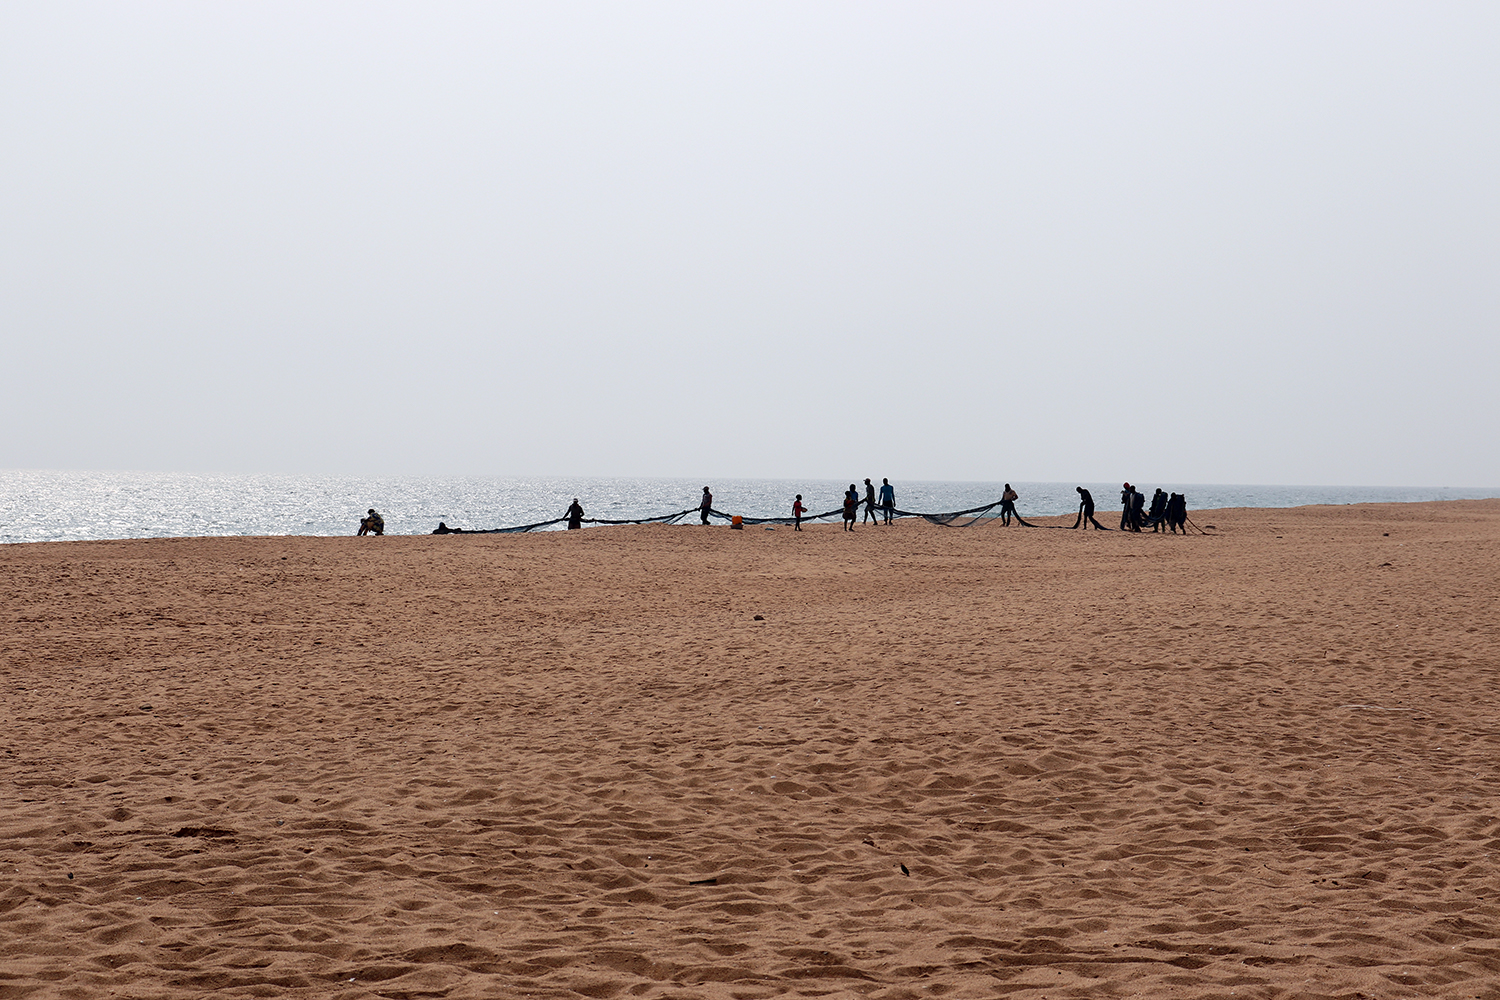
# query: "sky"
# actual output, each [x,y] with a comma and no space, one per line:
[1249,242]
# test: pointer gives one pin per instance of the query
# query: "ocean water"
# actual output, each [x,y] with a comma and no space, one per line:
[40,506]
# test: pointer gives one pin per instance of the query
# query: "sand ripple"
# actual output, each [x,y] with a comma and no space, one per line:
[945,763]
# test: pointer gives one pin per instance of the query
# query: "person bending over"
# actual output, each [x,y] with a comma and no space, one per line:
[1086,510]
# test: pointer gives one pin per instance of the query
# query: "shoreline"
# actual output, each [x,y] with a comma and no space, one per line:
[94,506]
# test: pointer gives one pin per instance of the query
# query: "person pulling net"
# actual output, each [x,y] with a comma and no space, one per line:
[1008,509]
[947,519]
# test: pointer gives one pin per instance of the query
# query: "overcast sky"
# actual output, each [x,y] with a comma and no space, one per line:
[1189,242]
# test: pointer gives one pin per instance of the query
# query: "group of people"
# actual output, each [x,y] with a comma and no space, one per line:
[886,503]
[1168,511]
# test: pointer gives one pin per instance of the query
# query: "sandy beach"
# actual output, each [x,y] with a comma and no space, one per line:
[691,762]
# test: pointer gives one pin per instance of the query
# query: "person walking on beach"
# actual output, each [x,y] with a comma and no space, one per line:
[707,505]
[851,507]
[1008,505]
[575,516]
[1127,503]
[374,524]
[887,499]
[870,514]
[797,511]
[1086,510]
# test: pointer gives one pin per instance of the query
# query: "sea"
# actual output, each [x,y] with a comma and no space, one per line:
[54,506]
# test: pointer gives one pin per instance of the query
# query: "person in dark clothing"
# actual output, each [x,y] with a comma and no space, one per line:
[1086,510]
[1158,511]
[870,514]
[706,506]
[1008,505]
[888,500]
[575,515]
[372,525]
[1137,505]
[443,529]
[851,507]
[1177,513]
[1127,502]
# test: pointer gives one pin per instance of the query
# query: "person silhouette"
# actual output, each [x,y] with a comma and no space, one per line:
[1158,516]
[1086,511]
[1008,505]
[887,499]
[707,505]
[1177,512]
[575,515]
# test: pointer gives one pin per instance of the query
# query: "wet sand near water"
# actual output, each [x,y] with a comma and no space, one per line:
[685,762]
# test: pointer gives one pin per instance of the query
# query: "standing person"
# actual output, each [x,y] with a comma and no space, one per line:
[1008,505]
[1158,511]
[575,516]
[374,524]
[887,499]
[1127,503]
[851,507]
[707,505]
[870,514]
[1086,510]
[1177,513]
[797,511]
[1137,505]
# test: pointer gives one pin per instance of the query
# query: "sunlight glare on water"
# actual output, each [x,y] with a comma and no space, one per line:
[79,506]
